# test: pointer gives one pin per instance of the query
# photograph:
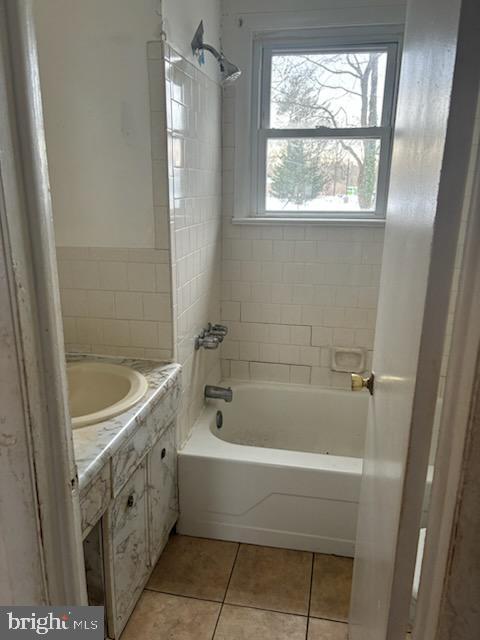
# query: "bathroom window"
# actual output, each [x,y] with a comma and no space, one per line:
[322,127]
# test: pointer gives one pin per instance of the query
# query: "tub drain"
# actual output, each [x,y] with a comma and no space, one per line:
[219,419]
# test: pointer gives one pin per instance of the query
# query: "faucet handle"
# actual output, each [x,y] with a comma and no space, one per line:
[207,341]
[218,330]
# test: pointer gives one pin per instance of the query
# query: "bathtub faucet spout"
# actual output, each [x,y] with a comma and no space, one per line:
[218,393]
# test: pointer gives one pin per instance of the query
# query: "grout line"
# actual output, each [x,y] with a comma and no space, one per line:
[226,589]
[223,602]
[329,619]
[217,621]
[180,595]
[310,596]
[246,606]
[251,606]
[232,570]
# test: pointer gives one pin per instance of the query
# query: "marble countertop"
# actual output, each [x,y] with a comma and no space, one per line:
[95,444]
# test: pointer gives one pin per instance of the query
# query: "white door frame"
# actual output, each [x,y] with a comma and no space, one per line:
[439,87]
[456,424]
[36,440]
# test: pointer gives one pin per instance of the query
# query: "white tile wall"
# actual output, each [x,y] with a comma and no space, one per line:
[291,292]
[194,145]
[287,299]
[115,302]
[286,286]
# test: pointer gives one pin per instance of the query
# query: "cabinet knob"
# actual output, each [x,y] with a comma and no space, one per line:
[163,454]
[130,500]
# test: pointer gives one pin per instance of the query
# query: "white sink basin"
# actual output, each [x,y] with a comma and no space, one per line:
[98,391]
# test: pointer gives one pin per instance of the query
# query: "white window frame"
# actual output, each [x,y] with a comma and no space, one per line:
[359,39]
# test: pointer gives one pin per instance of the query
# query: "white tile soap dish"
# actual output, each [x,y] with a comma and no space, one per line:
[347,359]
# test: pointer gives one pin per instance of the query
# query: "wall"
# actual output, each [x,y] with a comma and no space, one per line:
[194,146]
[290,292]
[181,19]
[118,301]
[105,107]
[460,613]
[95,91]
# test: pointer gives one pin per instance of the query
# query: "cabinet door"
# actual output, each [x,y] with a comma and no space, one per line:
[162,484]
[127,545]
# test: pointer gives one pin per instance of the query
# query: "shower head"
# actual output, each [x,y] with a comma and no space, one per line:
[229,70]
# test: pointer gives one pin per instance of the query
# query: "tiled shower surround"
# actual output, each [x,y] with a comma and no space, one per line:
[194,146]
[290,292]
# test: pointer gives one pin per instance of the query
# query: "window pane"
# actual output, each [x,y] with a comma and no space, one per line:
[327,89]
[322,174]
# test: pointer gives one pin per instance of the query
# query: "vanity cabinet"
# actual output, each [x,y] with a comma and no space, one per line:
[127,470]
[126,545]
[162,492]
[139,518]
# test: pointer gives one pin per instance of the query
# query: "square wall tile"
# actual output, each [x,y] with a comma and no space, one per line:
[156,306]
[141,276]
[101,304]
[116,333]
[113,276]
[143,333]
[128,305]
[85,274]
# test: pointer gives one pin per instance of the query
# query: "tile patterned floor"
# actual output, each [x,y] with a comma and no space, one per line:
[213,590]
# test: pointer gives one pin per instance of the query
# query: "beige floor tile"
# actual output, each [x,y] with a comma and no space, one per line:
[331,586]
[243,623]
[326,630]
[194,567]
[159,616]
[267,578]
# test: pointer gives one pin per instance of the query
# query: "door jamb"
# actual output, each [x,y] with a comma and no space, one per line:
[455,426]
[27,228]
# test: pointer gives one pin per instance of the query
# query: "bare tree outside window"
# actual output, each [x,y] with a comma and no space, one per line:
[316,90]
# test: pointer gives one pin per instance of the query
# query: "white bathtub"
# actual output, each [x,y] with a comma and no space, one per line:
[284,469]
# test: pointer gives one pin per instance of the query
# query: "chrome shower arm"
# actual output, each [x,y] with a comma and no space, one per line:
[208,47]
[229,70]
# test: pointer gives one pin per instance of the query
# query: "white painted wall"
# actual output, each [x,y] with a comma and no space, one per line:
[181,19]
[95,91]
